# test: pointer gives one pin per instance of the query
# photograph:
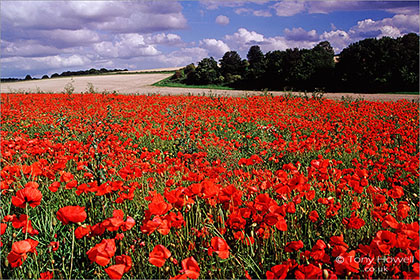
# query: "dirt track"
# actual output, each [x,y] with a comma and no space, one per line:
[141,84]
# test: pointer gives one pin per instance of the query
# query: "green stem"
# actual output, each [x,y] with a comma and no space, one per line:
[27,220]
[72,251]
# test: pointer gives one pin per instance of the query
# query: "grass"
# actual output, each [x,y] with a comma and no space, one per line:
[167,83]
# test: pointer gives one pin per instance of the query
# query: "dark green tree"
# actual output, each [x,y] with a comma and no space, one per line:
[207,72]
[232,67]
[256,68]
[275,71]
[28,77]
[320,65]
[379,65]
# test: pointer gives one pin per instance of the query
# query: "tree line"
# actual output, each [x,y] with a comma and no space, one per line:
[369,65]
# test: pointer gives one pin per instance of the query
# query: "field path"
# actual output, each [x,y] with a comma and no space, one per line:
[142,84]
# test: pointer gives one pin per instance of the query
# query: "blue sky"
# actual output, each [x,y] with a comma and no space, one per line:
[45,37]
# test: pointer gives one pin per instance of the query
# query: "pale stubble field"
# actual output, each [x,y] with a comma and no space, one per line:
[142,84]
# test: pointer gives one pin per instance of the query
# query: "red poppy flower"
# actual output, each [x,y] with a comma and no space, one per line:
[219,246]
[338,244]
[179,276]
[293,246]
[71,214]
[54,245]
[159,255]
[277,272]
[402,210]
[308,272]
[19,249]
[23,223]
[313,216]
[102,252]
[190,268]
[46,275]
[54,186]
[29,195]
[66,177]
[114,223]
[125,260]
[384,241]
[82,231]
[390,222]
[115,271]
[2,231]
[354,222]
[129,224]
[346,263]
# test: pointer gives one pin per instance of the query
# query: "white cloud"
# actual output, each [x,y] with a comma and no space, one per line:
[243,39]
[261,13]
[28,48]
[257,13]
[68,38]
[215,4]
[166,39]
[398,7]
[216,48]
[183,57]
[299,34]
[111,16]
[222,20]
[126,46]
[392,27]
[338,39]
[288,8]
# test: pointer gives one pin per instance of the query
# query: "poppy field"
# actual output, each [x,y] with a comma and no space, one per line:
[160,187]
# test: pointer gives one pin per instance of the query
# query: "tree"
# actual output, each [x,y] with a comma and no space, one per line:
[189,73]
[407,63]
[231,63]
[379,65]
[45,77]
[55,75]
[28,77]
[275,71]
[207,72]
[320,62]
[256,67]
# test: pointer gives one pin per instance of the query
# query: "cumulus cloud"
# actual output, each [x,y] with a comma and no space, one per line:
[288,8]
[215,4]
[338,39]
[300,34]
[215,48]
[392,27]
[183,56]
[126,46]
[222,20]
[261,13]
[257,13]
[27,48]
[110,16]
[325,7]
[166,39]
[243,39]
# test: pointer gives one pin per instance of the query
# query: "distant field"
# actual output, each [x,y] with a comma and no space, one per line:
[151,82]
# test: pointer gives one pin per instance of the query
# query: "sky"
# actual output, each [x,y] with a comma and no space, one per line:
[46,37]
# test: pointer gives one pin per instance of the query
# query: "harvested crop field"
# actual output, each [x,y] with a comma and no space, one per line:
[142,84]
